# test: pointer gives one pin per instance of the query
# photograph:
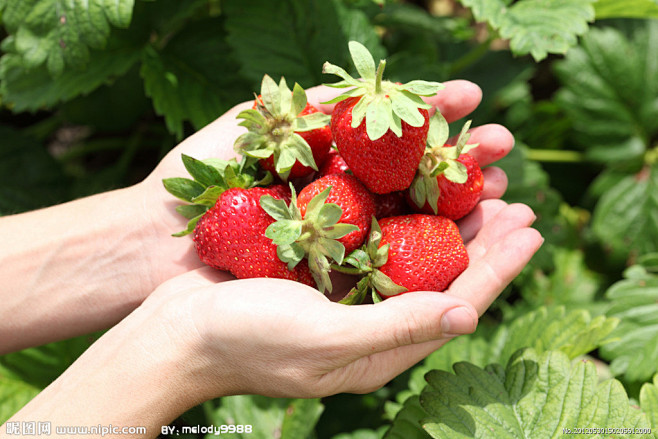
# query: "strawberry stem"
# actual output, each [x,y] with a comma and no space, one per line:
[555,156]
[346,270]
[379,76]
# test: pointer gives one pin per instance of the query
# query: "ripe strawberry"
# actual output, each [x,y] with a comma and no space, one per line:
[289,137]
[334,164]
[380,127]
[391,204]
[231,236]
[426,252]
[407,253]
[449,180]
[356,203]
[330,215]
[211,177]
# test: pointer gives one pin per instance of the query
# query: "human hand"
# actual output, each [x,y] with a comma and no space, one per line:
[170,257]
[280,338]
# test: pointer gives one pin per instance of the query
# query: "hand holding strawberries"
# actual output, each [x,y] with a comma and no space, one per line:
[205,330]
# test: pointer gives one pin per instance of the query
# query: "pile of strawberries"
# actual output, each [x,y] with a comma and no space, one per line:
[381,205]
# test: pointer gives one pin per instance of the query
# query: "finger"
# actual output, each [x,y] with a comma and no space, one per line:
[512,217]
[455,101]
[485,210]
[403,320]
[495,183]
[483,280]
[494,142]
[459,98]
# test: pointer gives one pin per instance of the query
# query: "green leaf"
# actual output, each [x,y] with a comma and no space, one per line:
[205,174]
[275,207]
[41,365]
[284,232]
[26,170]
[574,333]
[406,109]
[332,249]
[194,77]
[190,211]
[626,217]
[610,84]
[536,27]
[361,434]
[439,131]
[183,188]
[14,394]
[456,172]
[291,254]
[317,203]
[305,35]
[356,295]
[378,117]
[209,196]
[299,100]
[634,351]
[649,402]
[34,89]
[385,285]
[535,395]
[311,121]
[301,151]
[423,88]
[271,95]
[58,34]
[363,60]
[269,417]
[358,259]
[570,284]
[338,230]
[626,9]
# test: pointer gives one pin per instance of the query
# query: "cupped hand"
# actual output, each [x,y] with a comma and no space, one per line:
[280,338]
[173,256]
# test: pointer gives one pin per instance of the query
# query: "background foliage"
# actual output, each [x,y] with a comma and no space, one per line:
[94,93]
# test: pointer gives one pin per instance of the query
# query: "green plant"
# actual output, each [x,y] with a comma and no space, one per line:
[94,93]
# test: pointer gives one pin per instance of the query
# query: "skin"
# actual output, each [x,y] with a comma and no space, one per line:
[182,333]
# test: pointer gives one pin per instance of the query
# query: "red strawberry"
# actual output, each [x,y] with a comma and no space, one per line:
[211,177]
[386,164]
[231,236]
[334,164]
[407,253]
[449,180]
[357,204]
[391,204]
[331,215]
[380,127]
[426,252]
[290,137]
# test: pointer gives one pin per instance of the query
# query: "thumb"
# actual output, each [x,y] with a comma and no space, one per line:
[410,319]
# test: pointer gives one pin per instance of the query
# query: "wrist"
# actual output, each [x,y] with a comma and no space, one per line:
[141,373]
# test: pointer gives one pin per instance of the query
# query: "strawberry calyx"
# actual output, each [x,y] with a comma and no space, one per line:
[382,104]
[440,159]
[365,261]
[210,179]
[273,126]
[314,236]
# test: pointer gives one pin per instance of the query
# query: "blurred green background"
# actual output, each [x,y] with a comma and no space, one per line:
[94,93]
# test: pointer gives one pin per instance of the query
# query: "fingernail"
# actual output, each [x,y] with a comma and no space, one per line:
[457,321]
